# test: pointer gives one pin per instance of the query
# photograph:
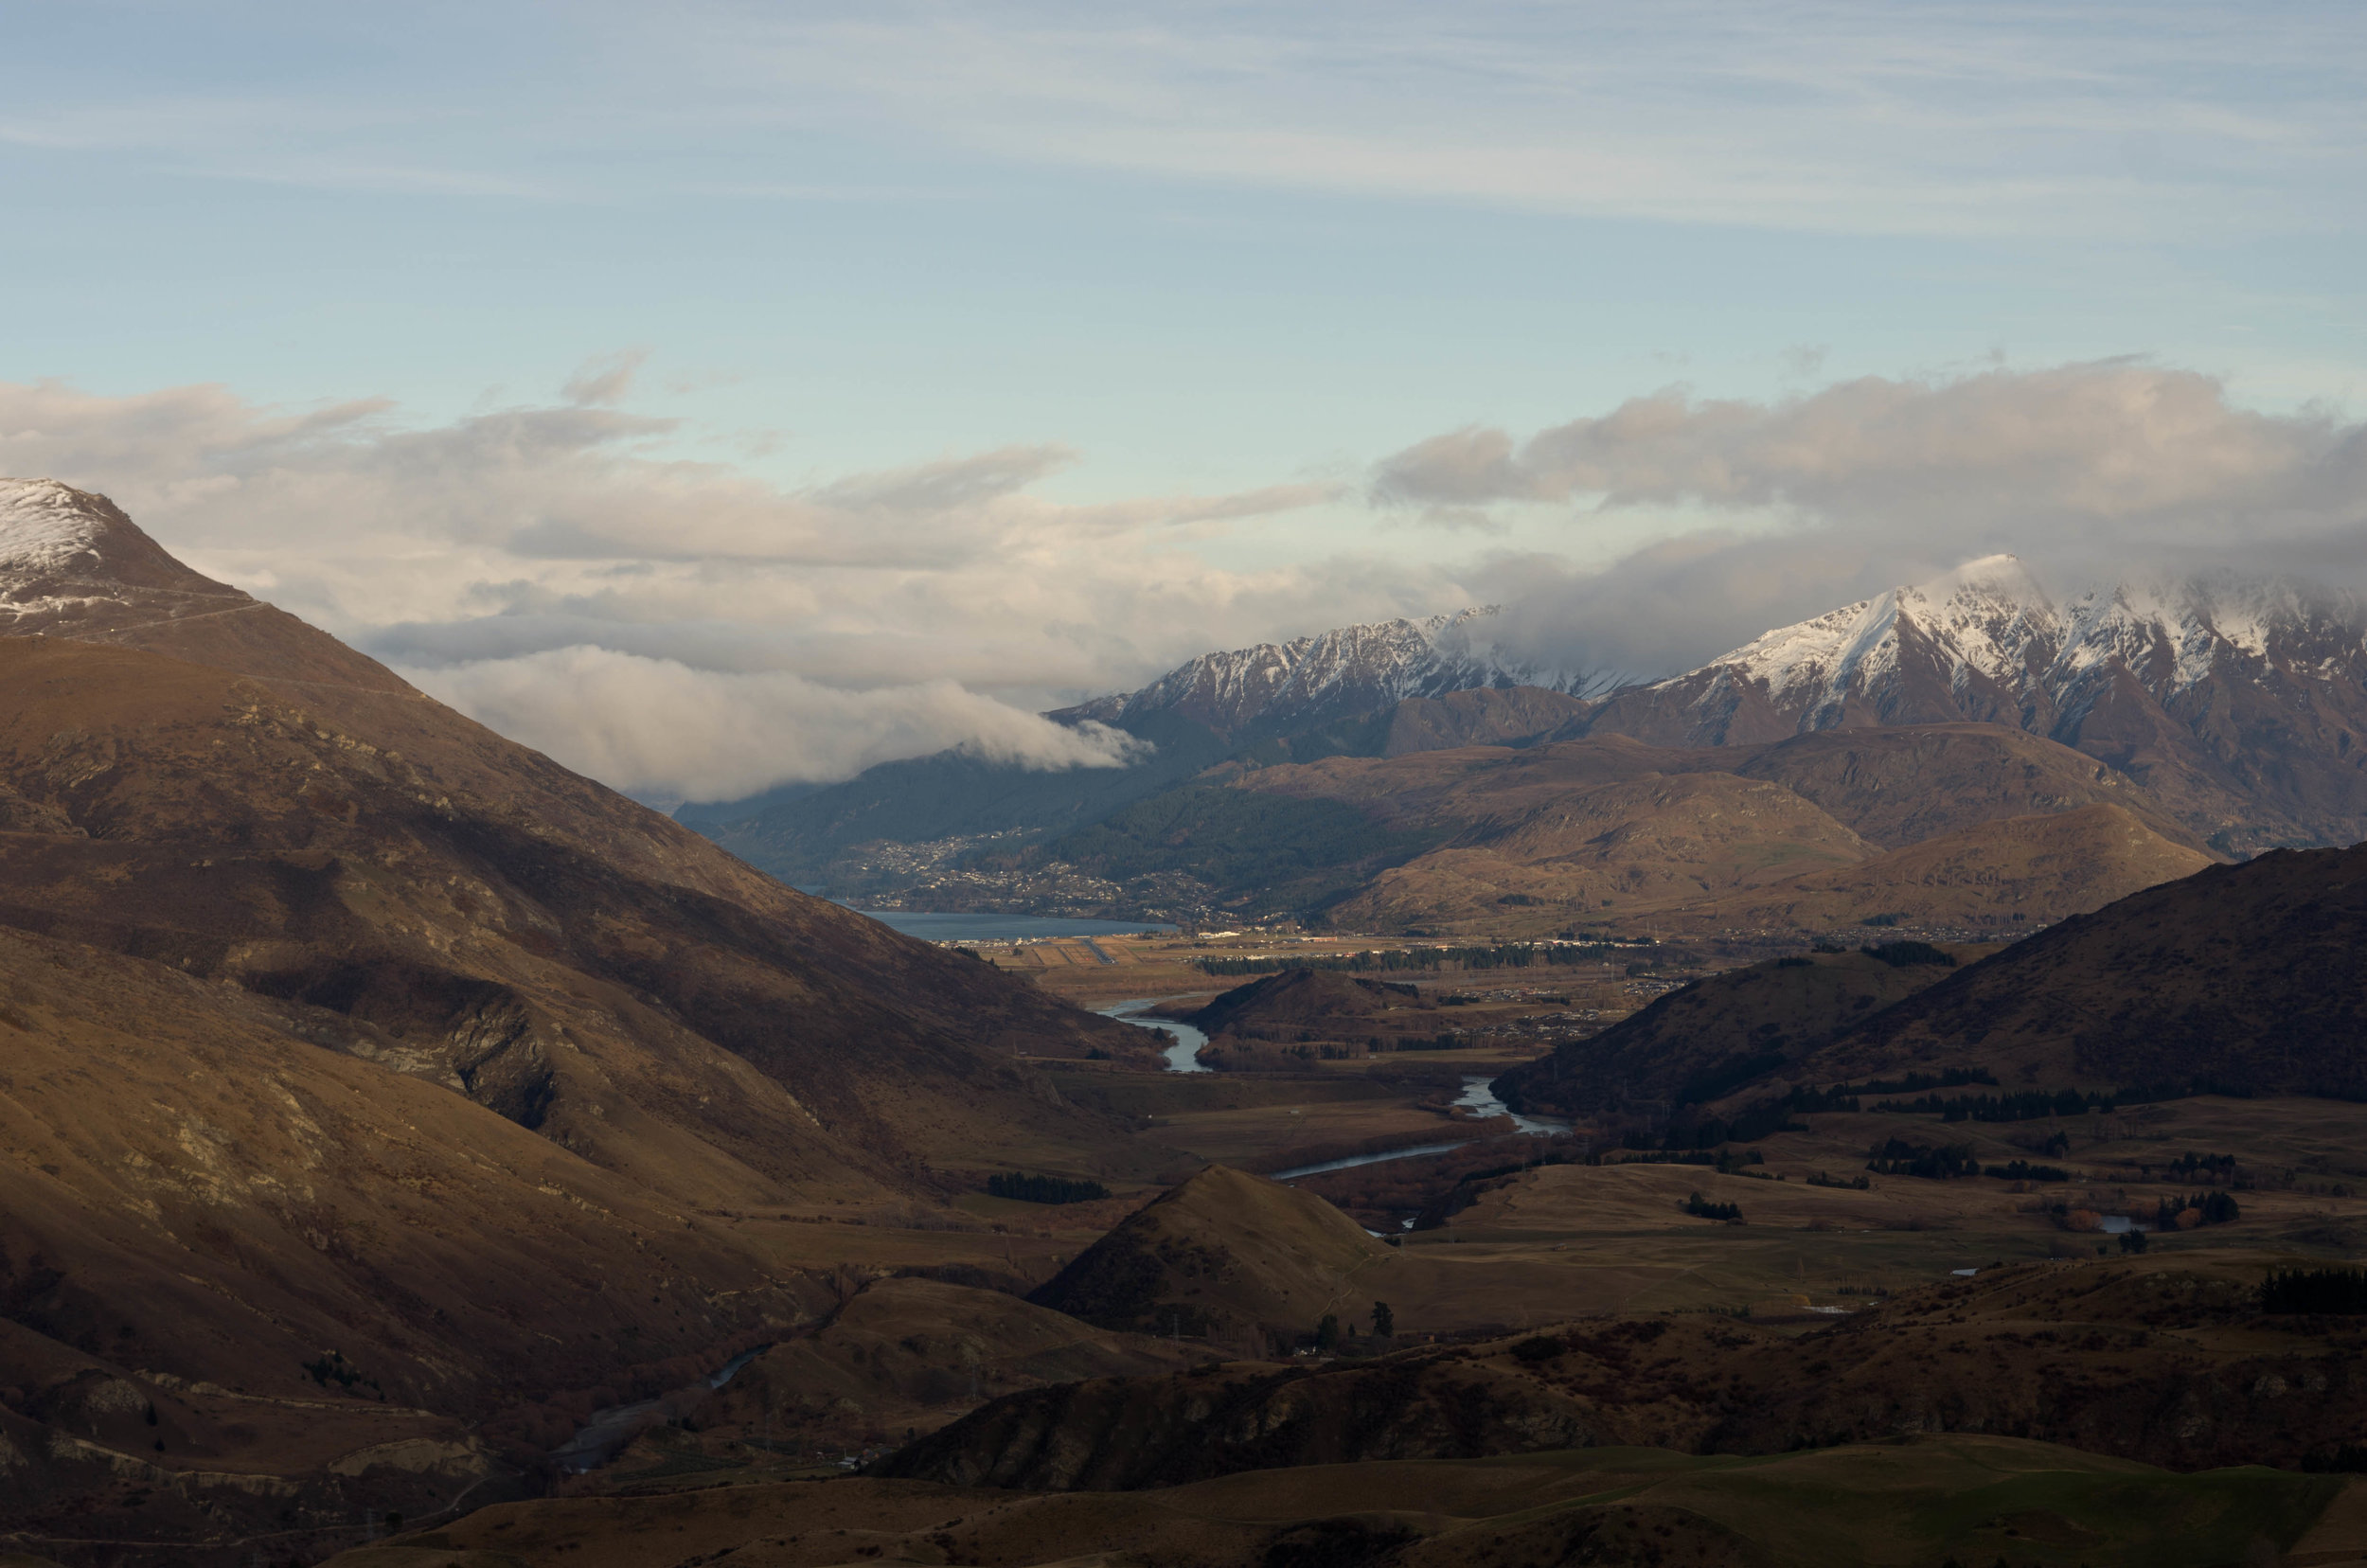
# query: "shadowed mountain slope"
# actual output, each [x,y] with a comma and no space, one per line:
[2246,976]
[2242,978]
[1715,1035]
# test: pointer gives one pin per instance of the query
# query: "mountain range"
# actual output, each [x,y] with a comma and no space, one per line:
[2230,715]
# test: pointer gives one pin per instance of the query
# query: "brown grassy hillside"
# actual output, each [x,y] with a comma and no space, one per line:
[1607,829]
[1322,999]
[2011,872]
[1653,843]
[1899,786]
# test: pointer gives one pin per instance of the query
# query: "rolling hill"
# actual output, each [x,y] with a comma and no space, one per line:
[1226,1256]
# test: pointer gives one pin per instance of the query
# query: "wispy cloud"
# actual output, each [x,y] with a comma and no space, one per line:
[2111,120]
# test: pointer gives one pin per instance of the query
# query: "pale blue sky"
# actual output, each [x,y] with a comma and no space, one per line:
[1204,249]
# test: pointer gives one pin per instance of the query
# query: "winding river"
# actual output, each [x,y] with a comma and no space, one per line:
[1477,1096]
[1184,1056]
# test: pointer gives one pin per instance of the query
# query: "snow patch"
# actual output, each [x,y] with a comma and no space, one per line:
[44,526]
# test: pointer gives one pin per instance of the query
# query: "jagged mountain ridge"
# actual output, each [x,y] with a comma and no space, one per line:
[2241,703]
[1349,671]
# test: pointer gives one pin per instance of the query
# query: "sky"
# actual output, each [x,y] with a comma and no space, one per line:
[717,395]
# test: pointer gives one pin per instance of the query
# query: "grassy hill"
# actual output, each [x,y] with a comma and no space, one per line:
[1226,1255]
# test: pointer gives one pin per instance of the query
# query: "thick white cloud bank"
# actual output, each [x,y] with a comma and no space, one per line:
[650,725]
[692,629]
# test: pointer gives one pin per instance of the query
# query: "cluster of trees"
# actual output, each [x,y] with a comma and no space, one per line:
[2023,1170]
[332,1367]
[1642,1151]
[1898,1157]
[1860,1183]
[1709,1132]
[1702,1208]
[1948,1078]
[2202,1209]
[2334,1291]
[1328,1333]
[1044,1189]
[2214,1169]
[1845,1096]
[2023,1105]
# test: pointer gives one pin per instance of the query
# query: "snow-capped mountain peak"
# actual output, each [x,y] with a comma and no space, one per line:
[1350,670]
[1984,617]
[71,557]
[44,526]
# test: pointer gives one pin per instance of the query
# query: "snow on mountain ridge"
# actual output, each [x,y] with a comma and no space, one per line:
[1987,634]
[1989,620]
[1347,669]
[44,526]
[1985,615]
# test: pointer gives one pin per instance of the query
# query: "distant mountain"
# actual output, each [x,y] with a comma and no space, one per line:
[2241,704]
[1351,672]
